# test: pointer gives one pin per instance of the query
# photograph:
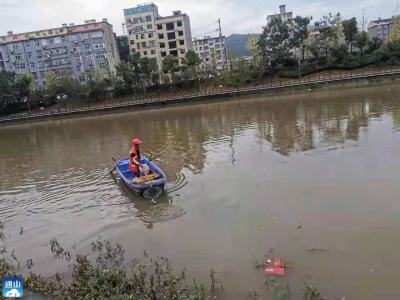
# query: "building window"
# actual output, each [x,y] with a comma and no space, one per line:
[150,35]
[132,42]
[98,46]
[149,26]
[170,26]
[163,53]
[32,65]
[172,45]
[137,36]
[180,32]
[148,18]
[144,44]
[100,56]
[18,56]
[20,67]
[181,42]
[162,45]
[179,23]
[153,52]
[138,46]
[142,36]
[152,43]
[159,26]
[145,52]
[15,47]
[174,53]
[88,47]
[171,35]
[27,44]
[37,43]
[29,54]
[161,36]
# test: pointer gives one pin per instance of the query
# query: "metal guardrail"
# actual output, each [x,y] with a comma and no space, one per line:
[206,93]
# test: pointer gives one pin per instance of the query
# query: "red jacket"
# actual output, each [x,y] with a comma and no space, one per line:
[134,154]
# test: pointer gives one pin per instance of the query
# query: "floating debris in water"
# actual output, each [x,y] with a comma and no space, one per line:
[162,213]
[317,250]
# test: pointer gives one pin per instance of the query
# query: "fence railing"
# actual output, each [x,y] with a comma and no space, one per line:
[176,95]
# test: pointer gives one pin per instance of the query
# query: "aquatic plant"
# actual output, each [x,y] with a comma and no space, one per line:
[107,276]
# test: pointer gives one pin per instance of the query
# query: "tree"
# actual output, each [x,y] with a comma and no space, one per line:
[14,88]
[374,44]
[394,37]
[253,46]
[361,40]
[192,58]
[192,62]
[148,70]
[299,33]
[50,84]
[170,64]
[350,30]
[331,32]
[274,42]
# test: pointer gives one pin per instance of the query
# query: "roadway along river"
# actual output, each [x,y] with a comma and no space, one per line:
[284,174]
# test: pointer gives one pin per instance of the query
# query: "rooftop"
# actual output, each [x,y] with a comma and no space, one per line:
[89,25]
[141,8]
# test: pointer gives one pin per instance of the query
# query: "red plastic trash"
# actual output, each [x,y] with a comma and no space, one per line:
[275,266]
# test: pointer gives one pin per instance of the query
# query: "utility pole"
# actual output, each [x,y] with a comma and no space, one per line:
[220,40]
[364,20]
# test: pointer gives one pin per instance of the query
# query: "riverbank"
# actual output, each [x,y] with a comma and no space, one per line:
[319,81]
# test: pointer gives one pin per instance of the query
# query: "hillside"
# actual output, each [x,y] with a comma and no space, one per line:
[237,44]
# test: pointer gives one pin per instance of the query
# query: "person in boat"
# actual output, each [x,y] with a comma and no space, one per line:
[135,162]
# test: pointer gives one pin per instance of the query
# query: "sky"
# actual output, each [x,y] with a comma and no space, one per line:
[237,16]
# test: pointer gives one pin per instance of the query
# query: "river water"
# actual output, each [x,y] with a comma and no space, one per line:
[250,176]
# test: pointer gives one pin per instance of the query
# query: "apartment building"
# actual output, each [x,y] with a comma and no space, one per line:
[212,52]
[380,29]
[69,50]
[154,36]
[283,15]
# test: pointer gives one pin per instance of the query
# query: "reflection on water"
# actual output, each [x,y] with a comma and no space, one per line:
[243,177]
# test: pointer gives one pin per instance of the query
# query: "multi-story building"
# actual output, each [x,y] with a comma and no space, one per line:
[154,36]
[70,50]
[123,47]
[380,29]
[212,52]
[283,15]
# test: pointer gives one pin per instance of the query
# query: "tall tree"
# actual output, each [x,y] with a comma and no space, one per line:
[253,46]
[361,40]
[148,69]
[394,37]
[350,30]
[192,62]
[170,65]
[275,42]
[299,33]
[192,58]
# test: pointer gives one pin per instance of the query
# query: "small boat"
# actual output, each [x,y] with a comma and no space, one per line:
[156,177]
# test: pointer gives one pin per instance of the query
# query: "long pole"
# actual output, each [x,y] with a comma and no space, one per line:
[220,40]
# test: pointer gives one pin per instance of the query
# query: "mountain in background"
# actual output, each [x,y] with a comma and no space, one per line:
[237,44]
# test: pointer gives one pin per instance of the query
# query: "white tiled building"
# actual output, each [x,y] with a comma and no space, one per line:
[211,50]
[69,50]
[154,36]
[380,29]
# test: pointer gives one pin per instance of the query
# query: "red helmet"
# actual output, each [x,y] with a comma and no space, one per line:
[136,141]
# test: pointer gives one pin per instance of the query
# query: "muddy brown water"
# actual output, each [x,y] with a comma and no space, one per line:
[283,174]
